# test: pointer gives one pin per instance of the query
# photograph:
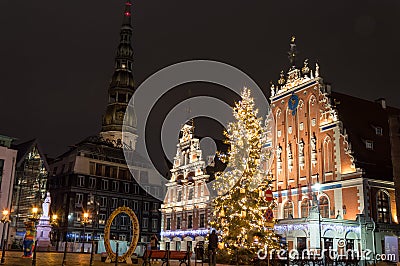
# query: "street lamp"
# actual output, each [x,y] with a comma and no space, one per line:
[5,219]
[54,222]
[35,218]
[84,222]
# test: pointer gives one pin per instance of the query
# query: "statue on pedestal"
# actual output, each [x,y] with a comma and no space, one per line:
[44,226]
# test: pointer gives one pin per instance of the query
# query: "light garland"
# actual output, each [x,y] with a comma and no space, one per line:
[181,233]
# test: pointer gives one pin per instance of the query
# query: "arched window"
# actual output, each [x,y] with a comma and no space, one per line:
[382,206]
[288,210]
[305,204]
[324,207]
[328,155]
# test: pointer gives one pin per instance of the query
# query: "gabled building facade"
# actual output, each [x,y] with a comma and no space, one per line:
[30,187]
[186,207]
[331,152]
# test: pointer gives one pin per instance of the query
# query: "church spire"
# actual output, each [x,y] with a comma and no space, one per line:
[121,88]
[292,52]
[127,13]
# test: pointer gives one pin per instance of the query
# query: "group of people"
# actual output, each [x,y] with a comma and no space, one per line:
[212,245]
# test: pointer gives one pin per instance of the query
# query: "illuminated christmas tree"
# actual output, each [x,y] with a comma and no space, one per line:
[243,209]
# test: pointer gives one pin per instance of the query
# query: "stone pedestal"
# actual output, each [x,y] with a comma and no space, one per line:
[43,230]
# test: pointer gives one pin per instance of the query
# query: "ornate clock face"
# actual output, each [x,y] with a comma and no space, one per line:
[293,103]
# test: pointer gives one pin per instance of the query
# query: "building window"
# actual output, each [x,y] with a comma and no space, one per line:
[81,181]
[328,243]
[79,198]
[313,122]
[304,208]
[379,131]
[144,178]
[154,224]
[123,220]
[135,189]
[135,205]
[178,222]
[382,207]
[102,218]
[301,126]
[126,187]
[145,222]
[99,169]
[288,210]
[191,192]
[349,244]
[114,186]
[190,221]
[301,244]
[146,206]
[103,202]
[328,155]
[179,195]
[279,133]
[104,184]
[155,206]
[114,202]
[123,174]
[290,130]
[202,220]
[92,168]
[125,202]
[324,207]
[369,144]
[78,216]
[92,182]
[168,224]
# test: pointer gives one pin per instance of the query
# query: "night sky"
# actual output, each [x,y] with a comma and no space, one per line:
[56,58]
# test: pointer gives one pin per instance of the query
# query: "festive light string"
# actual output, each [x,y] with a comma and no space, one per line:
[239,214]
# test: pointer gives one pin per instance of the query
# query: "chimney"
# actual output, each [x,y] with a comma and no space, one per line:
[382,102]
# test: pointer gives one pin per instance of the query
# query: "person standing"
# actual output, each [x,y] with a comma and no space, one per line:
[153,243]
[212,247]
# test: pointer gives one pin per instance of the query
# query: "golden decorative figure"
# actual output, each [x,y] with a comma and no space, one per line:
[293,39]
[135,235]
[282,80]
[305,70]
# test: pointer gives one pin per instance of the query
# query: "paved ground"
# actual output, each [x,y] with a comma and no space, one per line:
[51,259]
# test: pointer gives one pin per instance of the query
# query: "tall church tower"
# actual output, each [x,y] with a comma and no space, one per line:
[121,90]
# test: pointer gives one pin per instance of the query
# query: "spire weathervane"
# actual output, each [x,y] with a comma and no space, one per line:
[292,52]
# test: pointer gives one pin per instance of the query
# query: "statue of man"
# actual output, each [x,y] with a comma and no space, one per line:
[46,206]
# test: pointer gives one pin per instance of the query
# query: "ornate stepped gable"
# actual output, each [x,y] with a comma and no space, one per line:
[187,202]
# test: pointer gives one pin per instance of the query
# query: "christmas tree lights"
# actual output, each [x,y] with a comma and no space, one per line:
[243,209]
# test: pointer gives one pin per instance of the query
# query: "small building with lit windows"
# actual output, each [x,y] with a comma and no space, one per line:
[332,164]
[186,207]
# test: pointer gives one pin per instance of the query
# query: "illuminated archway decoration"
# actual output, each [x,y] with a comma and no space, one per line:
[126,257]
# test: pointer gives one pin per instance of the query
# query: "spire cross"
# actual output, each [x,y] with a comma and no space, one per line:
[292,52]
